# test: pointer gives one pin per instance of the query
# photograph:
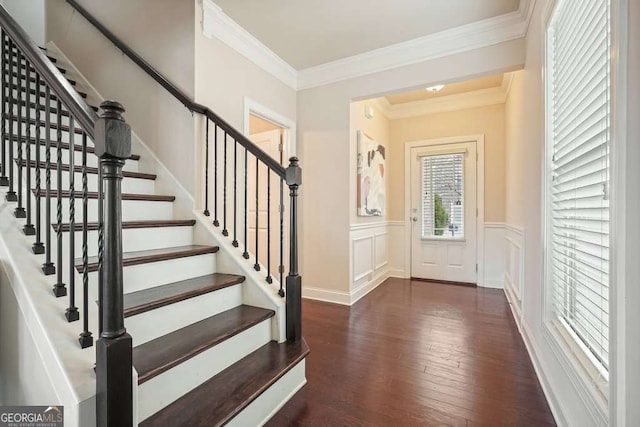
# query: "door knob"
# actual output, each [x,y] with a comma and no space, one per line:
[414,219]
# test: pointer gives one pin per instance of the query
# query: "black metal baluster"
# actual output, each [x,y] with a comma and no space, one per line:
[11,195]
[72,313]
[245,254]
[206,170]
[28,228]
[281,266]
[235,194]
[269,279]
[38,247]
[256,266]
[215,175]
[47,268]
[4,181]
[225,232]
[59,289]
[19,211]
[86,338]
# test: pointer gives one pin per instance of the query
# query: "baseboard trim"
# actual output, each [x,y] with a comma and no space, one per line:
[363,290]
[344,298]
[532,349]
[326,295]
[445,282]
[493,284]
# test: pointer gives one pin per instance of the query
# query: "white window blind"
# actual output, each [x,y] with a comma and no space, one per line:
[443,196]
[578,115]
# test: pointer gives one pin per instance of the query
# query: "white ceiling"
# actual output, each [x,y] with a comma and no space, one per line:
[306,33]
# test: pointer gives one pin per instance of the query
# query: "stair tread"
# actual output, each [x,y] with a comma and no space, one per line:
[134,224]
[161,354]
[52,125]
[43,93]
[125,196]
[219,399]
[160,296]
[153,255]
[93,170]
[65,146]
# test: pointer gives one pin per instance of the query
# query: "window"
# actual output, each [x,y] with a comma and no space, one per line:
[443,196]
[578,140]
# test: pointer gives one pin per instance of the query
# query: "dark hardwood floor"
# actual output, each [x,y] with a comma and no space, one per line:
[416,354]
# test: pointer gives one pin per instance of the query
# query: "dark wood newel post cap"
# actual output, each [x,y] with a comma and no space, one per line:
[294,173]
[112,133]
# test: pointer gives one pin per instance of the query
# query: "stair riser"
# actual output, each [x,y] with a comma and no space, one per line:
[132,210]
[155,323]
[158,392]
[268,403]
[129,185]
[144,276]
[135,239]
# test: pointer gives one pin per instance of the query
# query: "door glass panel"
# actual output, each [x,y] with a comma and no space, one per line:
[443,196]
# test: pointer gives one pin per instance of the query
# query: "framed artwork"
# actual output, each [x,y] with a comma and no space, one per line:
[371,182]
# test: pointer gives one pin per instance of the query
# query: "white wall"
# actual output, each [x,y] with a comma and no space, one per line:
[325,146]
[570,402]
[31,15]
[626,299]
[162,32]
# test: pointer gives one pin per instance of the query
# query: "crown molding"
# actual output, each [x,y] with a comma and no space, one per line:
[468,37]
[443,104]
[215,23]
[472,36]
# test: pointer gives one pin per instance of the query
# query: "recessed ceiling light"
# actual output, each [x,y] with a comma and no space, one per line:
[436,88]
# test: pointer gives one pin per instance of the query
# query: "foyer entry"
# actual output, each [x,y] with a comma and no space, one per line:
[443,210]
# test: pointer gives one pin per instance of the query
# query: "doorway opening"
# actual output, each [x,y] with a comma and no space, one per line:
[268,228]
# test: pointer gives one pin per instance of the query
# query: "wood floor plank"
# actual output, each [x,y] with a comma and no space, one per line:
[416,354]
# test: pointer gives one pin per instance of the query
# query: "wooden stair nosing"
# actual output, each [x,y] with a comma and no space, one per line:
[93,226]
[33,79]
[42,123]
[149,299]
[42,93]
[94,195]
[91,170]
[22,66]
[161,354]
[52,97]
[155,255]
[65,146]
[54,110]
[219,399]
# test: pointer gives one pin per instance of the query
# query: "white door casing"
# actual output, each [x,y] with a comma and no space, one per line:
[465,256]
[268,213]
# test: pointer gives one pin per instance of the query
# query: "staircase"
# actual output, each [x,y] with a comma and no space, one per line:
[205,350]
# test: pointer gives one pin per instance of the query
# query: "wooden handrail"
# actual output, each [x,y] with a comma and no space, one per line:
[179,94]
[48,72]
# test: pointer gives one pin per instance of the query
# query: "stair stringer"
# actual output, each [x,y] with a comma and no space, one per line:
[255,290]
[69,369]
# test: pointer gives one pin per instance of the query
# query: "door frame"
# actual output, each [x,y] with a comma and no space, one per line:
[289,126]
[408,146]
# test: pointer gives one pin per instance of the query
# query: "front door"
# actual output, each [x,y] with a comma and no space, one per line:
[443,212]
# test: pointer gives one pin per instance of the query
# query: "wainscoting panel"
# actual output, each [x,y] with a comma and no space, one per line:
[494,254]
[514,269]
[369,258]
